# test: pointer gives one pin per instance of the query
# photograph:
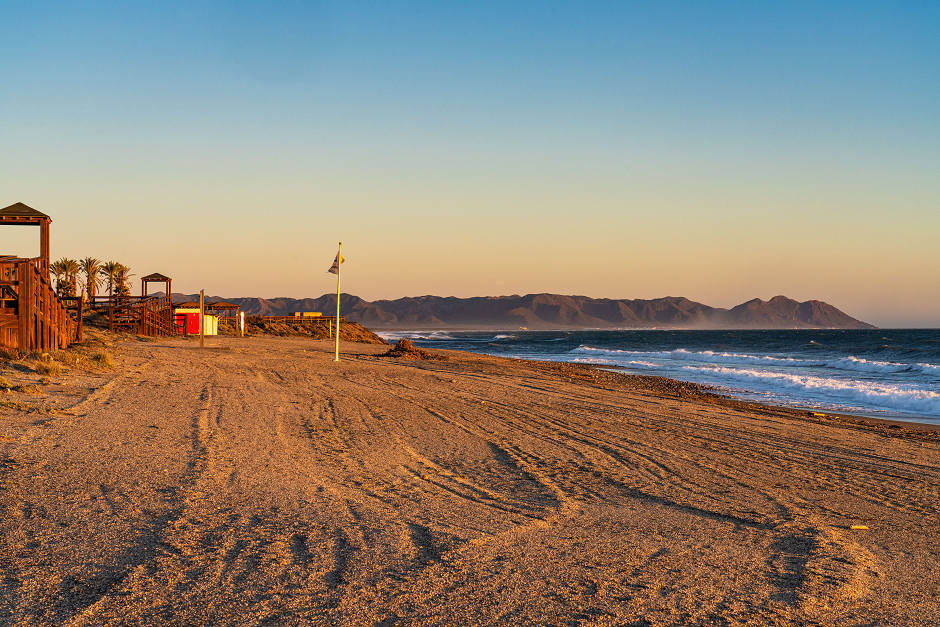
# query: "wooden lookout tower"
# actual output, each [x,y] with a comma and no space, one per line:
[27,216]
[156,277]
[32,316]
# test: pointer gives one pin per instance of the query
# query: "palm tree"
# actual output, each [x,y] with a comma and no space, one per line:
[122,280]
[57,268]
[66,276]
[108,271]
[72,268]
[91,268]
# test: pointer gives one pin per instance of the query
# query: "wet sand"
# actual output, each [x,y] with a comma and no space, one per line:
[259,483]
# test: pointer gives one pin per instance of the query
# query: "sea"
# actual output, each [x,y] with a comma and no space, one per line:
[891,374]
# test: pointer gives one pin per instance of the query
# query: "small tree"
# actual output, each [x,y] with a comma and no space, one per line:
[57,269]
[91,268]
[108,271]
[72,268]
[122,283]
[66,274]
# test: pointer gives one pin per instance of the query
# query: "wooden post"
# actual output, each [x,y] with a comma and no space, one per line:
[78,331]
[202,318]
[24,272]
[243,323]
[44,244]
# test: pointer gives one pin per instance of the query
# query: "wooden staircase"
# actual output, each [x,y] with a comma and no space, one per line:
[151,316]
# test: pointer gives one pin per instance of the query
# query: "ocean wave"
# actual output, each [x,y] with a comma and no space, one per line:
[807,389]
[889,396]
[643,365]
[846,363]
[887,367]
[391,336]
[701,356]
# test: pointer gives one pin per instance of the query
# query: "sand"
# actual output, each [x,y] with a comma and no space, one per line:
[258,483]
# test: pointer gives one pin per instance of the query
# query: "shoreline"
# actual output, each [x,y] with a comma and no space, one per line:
[830,414]
[876,414]
[808,415]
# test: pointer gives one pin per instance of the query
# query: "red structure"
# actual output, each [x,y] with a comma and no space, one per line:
[187,323]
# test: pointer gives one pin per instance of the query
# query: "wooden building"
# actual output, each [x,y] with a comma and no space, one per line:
[32,316]
[186,316]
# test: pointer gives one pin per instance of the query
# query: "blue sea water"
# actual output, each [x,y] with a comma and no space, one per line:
[882,373]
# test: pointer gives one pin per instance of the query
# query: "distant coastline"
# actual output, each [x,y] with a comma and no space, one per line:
[556,311]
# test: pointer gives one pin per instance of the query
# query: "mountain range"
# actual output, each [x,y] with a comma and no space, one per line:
[555,311]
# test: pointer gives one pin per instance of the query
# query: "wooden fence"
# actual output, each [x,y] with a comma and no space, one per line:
[102,303]
[32,317]
[295,319]
[151,316]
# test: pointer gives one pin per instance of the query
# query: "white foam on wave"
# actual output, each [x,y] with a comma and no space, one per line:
[847,363]
[391,336]
[702,356]
[887,367]
[905,397]
[643,365]
[846,392]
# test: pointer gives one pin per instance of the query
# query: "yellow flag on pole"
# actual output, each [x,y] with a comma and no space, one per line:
[335,267]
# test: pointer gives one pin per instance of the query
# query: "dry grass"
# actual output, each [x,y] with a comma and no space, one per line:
[23,389]
[49,369]
[102,360]
[9,354]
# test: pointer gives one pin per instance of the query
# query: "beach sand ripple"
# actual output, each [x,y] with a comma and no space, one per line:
[257,482]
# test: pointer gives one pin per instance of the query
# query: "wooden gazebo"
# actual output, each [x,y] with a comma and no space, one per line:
[24,215]
[222,308]
[156,277]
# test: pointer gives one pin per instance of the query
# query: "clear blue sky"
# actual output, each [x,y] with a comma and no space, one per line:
[720,151]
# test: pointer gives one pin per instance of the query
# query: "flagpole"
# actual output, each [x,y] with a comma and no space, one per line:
[339,268]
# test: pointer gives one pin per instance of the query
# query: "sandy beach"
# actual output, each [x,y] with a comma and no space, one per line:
[256,482]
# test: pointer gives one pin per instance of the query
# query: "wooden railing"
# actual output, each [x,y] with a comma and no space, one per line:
[103,302]
[151,316]
[32,317]
[296,319]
